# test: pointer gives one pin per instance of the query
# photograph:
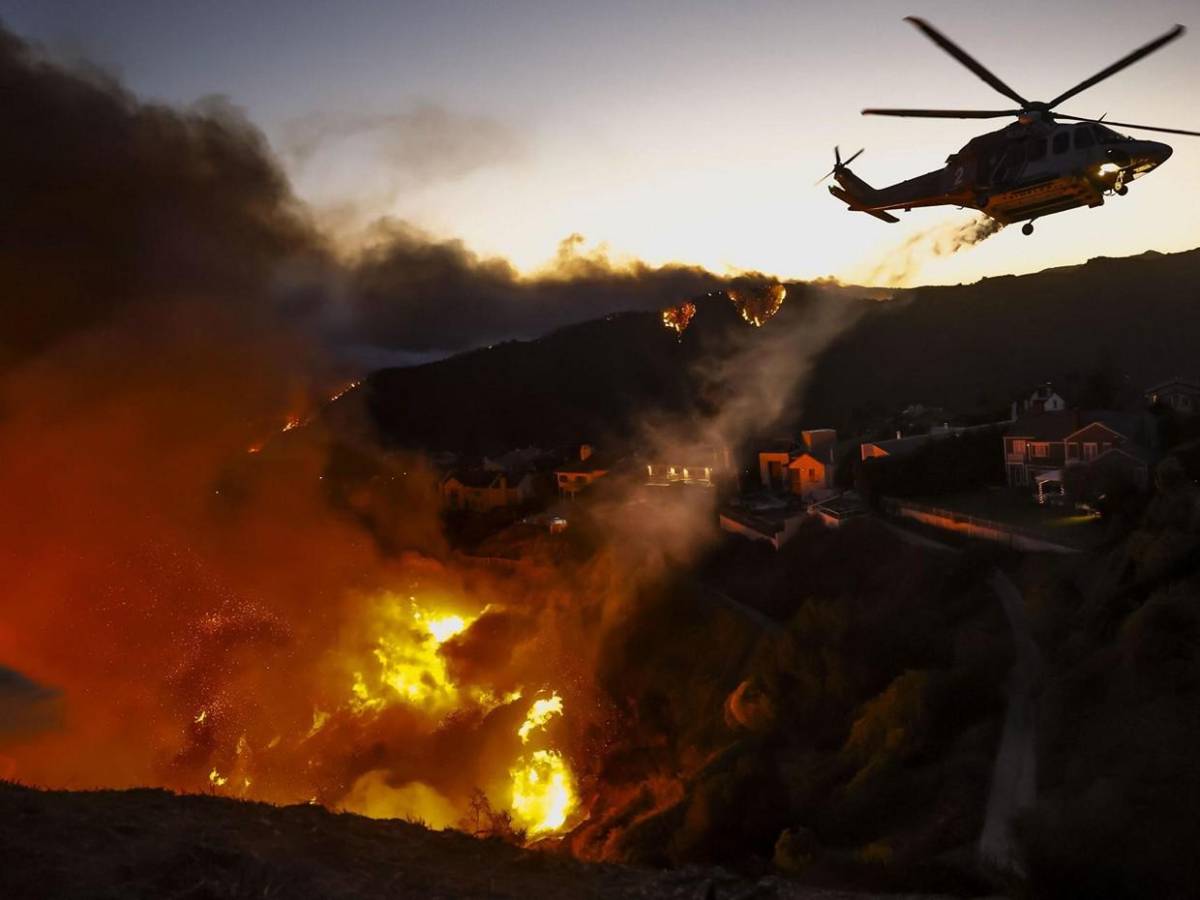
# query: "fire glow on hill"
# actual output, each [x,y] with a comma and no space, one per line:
[757,300]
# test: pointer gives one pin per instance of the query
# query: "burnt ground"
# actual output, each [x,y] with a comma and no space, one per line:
[155,844]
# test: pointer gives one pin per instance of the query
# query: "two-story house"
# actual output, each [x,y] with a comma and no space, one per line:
[806,467]
[1044,399]
[1047,442]
[575,476]
[483,490]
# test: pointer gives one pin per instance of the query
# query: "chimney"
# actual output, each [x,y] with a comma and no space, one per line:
[585,450]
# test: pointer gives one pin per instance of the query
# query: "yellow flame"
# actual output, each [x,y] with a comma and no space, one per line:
[539,714]
[216,778]
[543,794]
[199,720]
[543,789]
[410,668]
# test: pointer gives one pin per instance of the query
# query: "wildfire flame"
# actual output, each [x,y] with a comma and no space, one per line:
[410,667]
[543,789]
[757,302]
[677,318]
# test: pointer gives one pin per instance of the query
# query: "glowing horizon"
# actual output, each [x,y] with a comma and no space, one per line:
[688,134]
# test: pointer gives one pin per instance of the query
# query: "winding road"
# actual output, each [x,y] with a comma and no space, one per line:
[1014,775]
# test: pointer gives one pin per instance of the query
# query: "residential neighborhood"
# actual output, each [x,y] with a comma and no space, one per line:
[1048,455]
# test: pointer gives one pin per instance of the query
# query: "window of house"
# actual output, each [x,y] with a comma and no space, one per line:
[1089,451]
[1041,450]
[1062,141]
[1083,137]
[812,474]
[1018,448]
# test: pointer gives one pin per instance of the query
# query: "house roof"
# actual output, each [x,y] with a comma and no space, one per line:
[901,446]
[823,455]
[1046,426]
[1191,383]
[842,506]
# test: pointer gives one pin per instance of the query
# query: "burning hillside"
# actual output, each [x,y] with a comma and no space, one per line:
[291,625]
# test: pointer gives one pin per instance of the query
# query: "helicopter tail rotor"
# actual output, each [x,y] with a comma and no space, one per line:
[838,164]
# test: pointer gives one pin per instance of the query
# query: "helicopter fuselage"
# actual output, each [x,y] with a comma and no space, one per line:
[1019,173]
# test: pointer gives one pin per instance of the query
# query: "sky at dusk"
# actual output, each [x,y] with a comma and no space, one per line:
[667,131]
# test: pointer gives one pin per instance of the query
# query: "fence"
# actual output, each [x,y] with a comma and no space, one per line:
[1014,536]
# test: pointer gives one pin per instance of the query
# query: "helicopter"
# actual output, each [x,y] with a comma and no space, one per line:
[1033,167]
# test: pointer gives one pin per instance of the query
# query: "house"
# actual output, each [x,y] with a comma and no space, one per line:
[702,466]
[836,511]
[483,490]
[805,468]
[1179,394]
[575,476]
[1045,443]
[1043,399]
[772,520]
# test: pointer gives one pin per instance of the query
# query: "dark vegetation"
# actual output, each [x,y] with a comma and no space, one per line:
[1119,778]
[1101,332]
[599,379]
[847,740]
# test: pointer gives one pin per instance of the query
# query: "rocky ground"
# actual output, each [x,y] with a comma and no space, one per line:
[155,844]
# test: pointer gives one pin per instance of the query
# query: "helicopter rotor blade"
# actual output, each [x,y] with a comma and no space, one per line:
[1128,125]
[966,59]
[1120,64]
[854,157]
[944,113]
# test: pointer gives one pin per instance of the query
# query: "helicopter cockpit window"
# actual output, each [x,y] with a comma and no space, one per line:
[1108,136]
[1083,137]
[1062,141]
[1036,148]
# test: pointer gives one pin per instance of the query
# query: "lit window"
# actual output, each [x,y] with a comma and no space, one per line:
[1041,450]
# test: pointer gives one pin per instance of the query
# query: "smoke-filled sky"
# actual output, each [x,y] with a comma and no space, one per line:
[687,132]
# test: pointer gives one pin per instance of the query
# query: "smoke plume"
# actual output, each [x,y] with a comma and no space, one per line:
[946,239]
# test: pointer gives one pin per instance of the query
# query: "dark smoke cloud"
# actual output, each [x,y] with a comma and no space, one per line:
[110,205]
[413,293]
